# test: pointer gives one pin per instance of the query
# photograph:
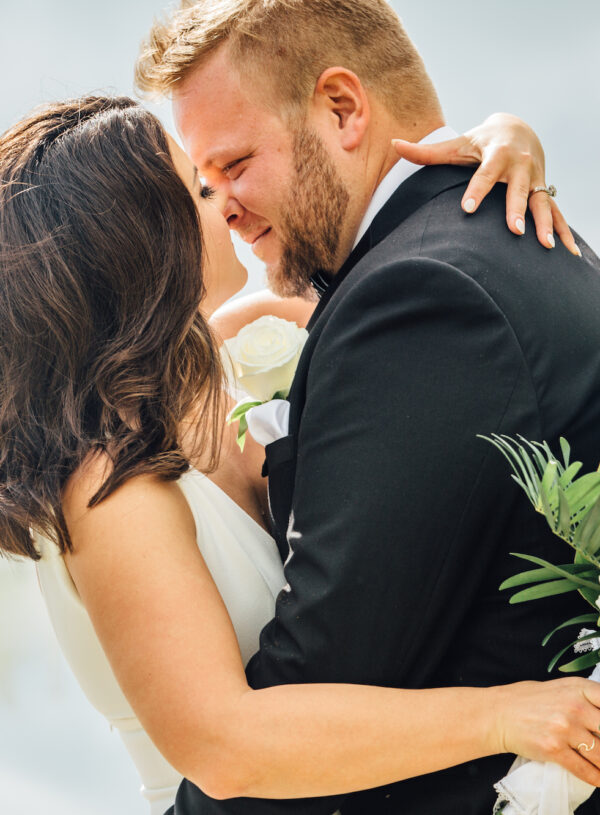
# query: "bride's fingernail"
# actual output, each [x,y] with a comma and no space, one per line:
[469,205]
[520,226]
[550,239]
[578,251]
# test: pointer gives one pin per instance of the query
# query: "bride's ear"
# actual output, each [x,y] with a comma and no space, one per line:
[340,97]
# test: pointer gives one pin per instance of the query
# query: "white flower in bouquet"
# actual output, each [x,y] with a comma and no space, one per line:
[263,357]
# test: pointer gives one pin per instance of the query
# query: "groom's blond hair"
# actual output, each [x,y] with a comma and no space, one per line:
[290,43]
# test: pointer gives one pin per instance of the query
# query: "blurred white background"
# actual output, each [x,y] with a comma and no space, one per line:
[538,59]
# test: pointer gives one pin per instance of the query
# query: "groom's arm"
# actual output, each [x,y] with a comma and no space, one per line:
[391,532]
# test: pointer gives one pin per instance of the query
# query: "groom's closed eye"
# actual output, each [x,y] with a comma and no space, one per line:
[227,169]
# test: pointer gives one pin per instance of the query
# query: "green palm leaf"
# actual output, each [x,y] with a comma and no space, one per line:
[565,448]
[548,589]
[556,657]
[578,641]
[559,570]
[569,474]
[539,575]
[589,660]
[521,473]
[571,506]
[582,495]
[552,488]
[588,529]
[583,618]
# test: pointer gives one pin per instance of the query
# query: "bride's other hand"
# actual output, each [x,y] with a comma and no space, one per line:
[546,721]
[507,150]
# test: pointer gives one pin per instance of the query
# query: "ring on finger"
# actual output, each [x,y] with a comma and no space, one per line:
[583,747]
[549,190]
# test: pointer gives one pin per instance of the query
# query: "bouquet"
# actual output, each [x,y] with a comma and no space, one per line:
[571,505]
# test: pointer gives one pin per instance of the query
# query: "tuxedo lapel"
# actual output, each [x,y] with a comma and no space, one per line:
[414,193]
[410,196]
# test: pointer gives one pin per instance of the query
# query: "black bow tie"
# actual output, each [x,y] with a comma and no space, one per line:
[320,282]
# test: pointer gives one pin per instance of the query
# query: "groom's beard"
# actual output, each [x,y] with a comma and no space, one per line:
[315,212]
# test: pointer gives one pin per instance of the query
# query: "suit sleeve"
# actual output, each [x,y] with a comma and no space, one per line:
[390,532]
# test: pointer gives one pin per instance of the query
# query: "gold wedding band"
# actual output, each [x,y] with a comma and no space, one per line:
[549,190]
[584,748]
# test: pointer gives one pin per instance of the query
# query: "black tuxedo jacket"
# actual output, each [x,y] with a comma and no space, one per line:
[440,327]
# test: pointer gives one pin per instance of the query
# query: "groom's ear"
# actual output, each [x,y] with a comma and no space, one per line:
[341,98]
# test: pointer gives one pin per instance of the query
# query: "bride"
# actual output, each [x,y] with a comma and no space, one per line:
[157,576]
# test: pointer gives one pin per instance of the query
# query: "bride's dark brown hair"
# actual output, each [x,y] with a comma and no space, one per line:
[102,346]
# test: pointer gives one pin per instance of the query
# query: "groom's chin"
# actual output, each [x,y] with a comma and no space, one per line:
[288,282]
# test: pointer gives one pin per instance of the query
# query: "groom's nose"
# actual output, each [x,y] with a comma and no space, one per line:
[233,211]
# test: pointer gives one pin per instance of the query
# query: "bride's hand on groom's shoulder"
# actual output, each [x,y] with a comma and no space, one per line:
[548,721]
[507,150]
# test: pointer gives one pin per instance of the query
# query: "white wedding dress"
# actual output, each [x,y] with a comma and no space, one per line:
[246,567]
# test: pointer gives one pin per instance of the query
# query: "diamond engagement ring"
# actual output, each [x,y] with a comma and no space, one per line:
[584,748]
[550,190]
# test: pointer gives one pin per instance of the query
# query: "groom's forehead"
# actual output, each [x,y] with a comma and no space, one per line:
[216,103]
[214,127]
[214,141]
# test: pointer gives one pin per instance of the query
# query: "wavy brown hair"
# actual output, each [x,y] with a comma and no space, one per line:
[102,346]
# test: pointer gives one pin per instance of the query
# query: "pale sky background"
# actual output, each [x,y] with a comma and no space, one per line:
[539,59]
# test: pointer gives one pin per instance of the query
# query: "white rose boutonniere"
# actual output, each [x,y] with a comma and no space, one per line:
[263,357]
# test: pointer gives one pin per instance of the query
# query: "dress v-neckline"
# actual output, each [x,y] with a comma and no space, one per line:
[242,512]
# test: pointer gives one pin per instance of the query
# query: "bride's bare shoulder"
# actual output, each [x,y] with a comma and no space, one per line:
[145,494]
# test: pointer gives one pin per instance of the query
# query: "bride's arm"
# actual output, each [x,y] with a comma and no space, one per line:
[166,632]
[229,318]
[507,150]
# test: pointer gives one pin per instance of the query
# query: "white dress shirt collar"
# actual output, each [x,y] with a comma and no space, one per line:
[397,175]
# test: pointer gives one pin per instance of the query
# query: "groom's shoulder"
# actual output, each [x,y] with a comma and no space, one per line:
[515,272]
[531,285]
[471,267]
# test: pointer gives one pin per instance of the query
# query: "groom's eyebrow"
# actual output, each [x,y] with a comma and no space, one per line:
[218,158]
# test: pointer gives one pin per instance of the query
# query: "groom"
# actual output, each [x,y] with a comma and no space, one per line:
[432,328]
